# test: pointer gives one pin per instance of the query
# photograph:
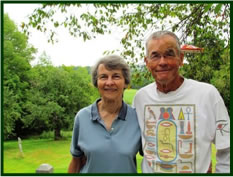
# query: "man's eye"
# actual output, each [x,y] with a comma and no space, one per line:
[155,56]
[170,53]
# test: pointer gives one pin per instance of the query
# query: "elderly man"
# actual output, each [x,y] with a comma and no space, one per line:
[179,118]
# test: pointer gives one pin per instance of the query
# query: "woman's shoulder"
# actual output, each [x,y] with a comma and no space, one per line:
[130,109]
[86,111]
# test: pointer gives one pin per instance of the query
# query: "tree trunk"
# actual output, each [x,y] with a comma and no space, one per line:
[57,129]
[57,134]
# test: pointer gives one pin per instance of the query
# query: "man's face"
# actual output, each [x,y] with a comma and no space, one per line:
[163,60]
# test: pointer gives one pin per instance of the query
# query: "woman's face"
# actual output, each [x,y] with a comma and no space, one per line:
[110,83]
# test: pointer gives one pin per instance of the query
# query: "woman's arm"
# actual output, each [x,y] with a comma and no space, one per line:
[75,165]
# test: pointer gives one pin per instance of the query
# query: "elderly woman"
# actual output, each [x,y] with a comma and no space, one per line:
[106,134]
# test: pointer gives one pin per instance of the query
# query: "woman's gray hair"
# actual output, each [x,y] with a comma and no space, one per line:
[159,34]
[111,62]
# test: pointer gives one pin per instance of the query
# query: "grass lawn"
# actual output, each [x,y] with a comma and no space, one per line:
[36,152]
[129,95]
[55,153]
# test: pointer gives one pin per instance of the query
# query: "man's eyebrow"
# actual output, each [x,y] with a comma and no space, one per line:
[170,50]
[154,52]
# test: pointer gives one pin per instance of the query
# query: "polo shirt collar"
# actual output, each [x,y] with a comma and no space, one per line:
[95,114]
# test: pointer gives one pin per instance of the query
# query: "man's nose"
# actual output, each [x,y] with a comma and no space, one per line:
[162,60]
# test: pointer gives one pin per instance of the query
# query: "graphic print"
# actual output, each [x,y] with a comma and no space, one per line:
[223,127]
[170,138]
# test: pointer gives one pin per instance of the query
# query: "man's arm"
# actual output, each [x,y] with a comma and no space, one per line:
[223,161]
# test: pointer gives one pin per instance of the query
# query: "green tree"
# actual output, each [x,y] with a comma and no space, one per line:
[206,25]
[17,54]
[211,66]
[221,78]
[57,94]
[133,20]
[202,66]
[42,97]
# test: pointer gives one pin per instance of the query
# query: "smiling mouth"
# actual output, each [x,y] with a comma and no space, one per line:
[161,71]
[110,90]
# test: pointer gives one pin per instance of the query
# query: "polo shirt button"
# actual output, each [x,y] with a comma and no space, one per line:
[107,137]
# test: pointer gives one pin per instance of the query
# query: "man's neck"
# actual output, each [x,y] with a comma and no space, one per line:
[165,88]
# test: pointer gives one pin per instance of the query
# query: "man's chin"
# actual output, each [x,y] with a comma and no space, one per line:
[162,81]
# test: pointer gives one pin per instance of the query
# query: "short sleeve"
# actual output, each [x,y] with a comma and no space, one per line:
[222,137]
[74,148]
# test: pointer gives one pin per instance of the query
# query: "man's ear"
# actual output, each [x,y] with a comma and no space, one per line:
[181,59]
[146,61]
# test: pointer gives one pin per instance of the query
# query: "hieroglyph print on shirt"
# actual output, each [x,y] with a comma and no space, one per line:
[170,138]
[223,127]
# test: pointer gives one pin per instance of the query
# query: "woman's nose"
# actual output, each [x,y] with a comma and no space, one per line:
[109,81]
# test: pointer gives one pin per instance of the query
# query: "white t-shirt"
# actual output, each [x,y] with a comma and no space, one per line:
[179,127]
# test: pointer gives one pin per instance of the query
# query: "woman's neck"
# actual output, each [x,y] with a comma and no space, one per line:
[110,106]
[108,111]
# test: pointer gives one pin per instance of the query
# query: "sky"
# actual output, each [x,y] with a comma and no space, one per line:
[69,50]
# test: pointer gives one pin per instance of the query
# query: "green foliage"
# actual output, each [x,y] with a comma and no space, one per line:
[212,66]
[57,94]
[16,57]
[140,77]
[42,97]
[205,25]
[134,20]
[47,135]
[129,95]
[66,135]
[221,78]
[202,24]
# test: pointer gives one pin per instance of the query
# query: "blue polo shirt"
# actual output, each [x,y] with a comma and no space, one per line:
[106,151]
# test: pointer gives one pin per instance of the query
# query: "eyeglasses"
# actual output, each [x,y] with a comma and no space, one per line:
[170,54]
